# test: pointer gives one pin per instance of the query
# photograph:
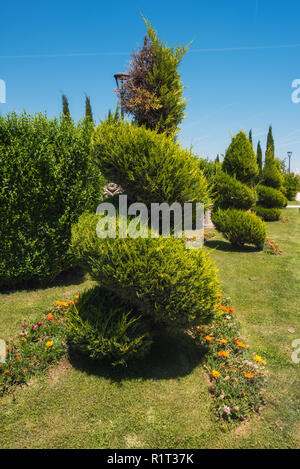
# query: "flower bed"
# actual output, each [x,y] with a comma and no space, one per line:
[34,348]
[236,375]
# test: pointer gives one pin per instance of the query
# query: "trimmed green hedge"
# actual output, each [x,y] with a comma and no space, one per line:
[47,179]
[240,227]
[169,284]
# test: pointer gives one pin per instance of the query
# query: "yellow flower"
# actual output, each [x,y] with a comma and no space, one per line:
[49,344]
[215,374]
[258,358]
[223,341]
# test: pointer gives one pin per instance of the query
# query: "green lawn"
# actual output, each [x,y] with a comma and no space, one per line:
[164,402]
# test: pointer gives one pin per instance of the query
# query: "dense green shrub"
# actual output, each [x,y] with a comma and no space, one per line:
[232,193]
[47,179]
[240,160]
[170,284]
[101,326]
[240,227]
[149,166]
[270,198]
[267,214]
[290,186]
[271,175]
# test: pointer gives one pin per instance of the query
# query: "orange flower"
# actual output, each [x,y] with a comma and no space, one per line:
[244,393]
[219,295]
[209,338]
[248,375]
[49,317]
[222,353]
[215,374]
[239,343]
[62,303]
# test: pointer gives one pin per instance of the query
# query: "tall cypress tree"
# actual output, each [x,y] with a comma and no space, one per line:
[250,136]
[270,149]
[259,157]
[65,106]
[88,109]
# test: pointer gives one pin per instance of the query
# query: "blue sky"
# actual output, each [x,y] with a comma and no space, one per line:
[238,73]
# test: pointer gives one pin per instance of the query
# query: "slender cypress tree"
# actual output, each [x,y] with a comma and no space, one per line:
[88,109]
[65,106]
[217,160]
[270,149]
[259,157]
[250,136]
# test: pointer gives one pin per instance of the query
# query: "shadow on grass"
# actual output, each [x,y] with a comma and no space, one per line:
[221,245]
[171,356]
[70,277]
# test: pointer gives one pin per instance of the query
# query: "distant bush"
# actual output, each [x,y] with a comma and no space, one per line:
[47,179]
[267,214]
[290,187]
[149,166]
[270,198]
[240,160]
[232,193]
[170,285]
[240,227]
[101,326]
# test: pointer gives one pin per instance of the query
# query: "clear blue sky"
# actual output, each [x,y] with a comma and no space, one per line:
[238,72]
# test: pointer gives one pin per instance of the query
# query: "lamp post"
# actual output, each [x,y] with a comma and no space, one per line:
[289,154]
[120,80]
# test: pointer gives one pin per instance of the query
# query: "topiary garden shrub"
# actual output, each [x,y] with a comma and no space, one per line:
[267,214]
[169,284]
[233,193]
[270,198]
[102,326]
[47,179]
[149,166]
[240,227]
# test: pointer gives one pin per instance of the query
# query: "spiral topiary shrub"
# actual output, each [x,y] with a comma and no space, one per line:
[169,284]
[101,326]
[149,166]
[233,193]
[240,227]
[270,198]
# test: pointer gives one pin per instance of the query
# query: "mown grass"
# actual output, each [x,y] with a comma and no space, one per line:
[164,402]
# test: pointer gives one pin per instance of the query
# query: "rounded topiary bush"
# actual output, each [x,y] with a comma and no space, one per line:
[149,166]
[102,326]
[169,284]
[232,193]
[267,214]
[240,227]
[240,160]
[269,197]
[47,179]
